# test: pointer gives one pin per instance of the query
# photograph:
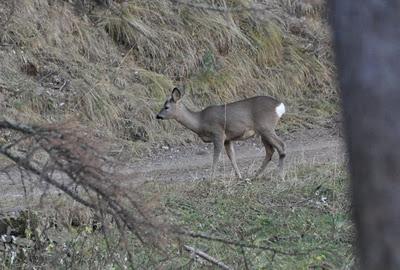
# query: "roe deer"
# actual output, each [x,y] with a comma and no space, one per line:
[223,124]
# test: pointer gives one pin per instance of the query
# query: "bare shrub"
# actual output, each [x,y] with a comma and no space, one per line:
[66,157]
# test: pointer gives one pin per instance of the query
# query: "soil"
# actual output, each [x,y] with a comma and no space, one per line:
[193,163]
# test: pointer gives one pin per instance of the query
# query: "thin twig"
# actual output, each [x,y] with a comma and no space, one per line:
[207,257]
[62,86]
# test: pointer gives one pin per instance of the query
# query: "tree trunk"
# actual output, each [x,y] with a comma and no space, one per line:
[367,39]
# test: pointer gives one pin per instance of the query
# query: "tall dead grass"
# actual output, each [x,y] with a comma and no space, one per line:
[112,67]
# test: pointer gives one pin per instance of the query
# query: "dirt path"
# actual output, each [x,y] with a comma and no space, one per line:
[194,162]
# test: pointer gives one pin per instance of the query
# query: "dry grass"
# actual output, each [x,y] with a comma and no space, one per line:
[111,68]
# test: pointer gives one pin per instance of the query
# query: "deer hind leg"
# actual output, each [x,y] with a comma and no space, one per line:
[230,151]
[269,151]
[276,143]
[281,150]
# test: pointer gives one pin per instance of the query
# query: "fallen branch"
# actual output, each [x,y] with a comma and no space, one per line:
[242,244]
[207,257]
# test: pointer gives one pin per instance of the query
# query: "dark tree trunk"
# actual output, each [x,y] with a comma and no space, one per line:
[367,39]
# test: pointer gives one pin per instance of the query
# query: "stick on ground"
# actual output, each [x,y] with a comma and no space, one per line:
[207,257]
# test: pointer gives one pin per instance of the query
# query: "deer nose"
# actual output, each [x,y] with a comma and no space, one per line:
[158,116]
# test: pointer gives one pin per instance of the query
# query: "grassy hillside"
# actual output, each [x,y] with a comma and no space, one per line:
[112,67]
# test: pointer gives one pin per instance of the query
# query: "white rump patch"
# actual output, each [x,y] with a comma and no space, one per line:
[280,110]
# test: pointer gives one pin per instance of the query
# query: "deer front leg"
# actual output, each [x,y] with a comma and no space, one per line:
[230,150]
[218,145]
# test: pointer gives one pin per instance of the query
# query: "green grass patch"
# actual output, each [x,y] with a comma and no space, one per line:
[305,218]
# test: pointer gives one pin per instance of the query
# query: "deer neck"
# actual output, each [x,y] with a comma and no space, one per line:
[189,119]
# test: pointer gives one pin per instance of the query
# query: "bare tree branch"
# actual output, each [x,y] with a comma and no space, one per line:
[76,162]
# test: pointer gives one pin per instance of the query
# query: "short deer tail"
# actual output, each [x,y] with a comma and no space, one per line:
[280,110]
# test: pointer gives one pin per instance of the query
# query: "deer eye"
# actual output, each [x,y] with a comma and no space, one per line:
[167,107]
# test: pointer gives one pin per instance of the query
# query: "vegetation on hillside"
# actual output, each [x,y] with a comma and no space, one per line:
[87,70]
[111,67]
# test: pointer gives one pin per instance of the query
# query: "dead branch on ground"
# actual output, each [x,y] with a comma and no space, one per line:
[207,257]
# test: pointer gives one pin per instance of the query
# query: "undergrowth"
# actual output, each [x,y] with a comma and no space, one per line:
[304,219]
[299,222]
[112,67]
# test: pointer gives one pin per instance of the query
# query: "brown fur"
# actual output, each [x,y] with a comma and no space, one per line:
[222,124]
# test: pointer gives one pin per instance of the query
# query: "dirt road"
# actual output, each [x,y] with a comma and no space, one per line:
[193,162]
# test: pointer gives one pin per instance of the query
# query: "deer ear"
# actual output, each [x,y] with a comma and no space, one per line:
[176,94]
